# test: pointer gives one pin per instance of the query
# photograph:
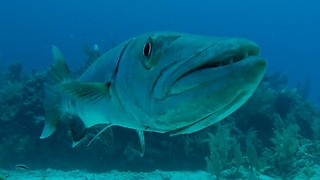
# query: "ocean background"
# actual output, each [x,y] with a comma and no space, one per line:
[286,31]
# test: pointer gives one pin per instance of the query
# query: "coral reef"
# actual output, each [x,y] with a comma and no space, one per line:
[286,132]
[275,134]
[21,98]
[15,69]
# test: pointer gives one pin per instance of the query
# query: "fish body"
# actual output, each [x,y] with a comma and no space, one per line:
[159,82]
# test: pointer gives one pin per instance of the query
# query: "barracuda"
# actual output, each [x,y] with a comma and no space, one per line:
[160,82]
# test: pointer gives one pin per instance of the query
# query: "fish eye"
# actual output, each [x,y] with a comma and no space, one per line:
[147,49]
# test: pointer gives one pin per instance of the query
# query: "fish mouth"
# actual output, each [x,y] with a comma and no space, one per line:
[224,59]
[204,66]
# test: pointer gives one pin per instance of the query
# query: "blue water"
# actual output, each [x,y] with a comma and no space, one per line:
[287,31]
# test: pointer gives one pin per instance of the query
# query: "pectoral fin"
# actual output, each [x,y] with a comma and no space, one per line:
[84,91]
[101,131]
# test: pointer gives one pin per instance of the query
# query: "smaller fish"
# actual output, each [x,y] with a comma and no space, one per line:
[22,166]
[38,118]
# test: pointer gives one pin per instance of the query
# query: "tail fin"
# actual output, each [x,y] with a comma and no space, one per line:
[58,74]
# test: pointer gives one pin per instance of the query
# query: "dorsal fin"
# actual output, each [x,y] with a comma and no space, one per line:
[59,72]
[84,91]
[95,52]
[92,54]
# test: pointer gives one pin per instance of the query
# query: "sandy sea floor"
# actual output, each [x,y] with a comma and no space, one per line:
[50,174]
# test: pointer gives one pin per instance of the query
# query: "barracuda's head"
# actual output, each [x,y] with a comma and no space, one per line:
[184,83]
